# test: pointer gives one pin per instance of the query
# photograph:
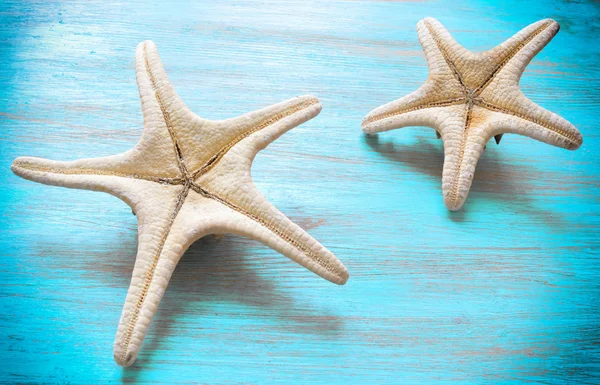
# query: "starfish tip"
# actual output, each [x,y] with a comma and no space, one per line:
[343,277]
[552,21]
[145,43]
[314,101]
[454,203]
[552,26]
[367,129]
[125,361]
[577,142]
[18,166]
[35,169]
[309,105]
[369,123]
[454,208]
[14,167]
[427,19]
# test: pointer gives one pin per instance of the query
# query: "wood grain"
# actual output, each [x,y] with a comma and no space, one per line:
[504,291]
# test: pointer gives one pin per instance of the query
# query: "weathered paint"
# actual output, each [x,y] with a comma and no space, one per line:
[506,290]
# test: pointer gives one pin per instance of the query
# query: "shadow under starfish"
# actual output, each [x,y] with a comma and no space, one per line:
[217,271]
[495,178]
[212,271]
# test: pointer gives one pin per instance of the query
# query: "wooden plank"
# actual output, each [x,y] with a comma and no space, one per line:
[505,290]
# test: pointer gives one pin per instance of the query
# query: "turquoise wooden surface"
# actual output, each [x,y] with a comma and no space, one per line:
[505,291]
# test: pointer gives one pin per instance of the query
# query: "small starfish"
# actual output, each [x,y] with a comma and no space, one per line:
[186,178]
[469,98]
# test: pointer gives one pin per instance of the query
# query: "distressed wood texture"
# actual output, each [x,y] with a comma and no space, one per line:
[506,290]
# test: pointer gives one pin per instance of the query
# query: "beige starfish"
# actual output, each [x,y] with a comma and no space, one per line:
[470,97]
[186,178]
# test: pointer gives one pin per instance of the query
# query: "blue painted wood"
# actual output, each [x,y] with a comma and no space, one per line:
[505,291]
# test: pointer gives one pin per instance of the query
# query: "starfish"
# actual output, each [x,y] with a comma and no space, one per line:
[186,178]
[470,97]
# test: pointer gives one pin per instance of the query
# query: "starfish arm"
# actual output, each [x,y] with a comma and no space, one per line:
[516,114]
[464,140]
[267,123]
[159,99]
[442,53]
[252,216]
[97,174]
[163,237]
[167,120]
[464,66]
[138,162]
[444,86]
[513,56]
[420,108]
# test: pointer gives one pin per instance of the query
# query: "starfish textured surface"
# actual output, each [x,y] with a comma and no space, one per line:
[186,178]
[469,98]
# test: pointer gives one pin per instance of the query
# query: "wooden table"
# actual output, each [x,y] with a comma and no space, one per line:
[506,290]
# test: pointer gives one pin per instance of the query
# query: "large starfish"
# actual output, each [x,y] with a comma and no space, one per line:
[470,97]
[186,178]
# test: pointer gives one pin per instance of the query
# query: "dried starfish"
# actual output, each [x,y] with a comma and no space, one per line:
[186,178]
[469,98]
